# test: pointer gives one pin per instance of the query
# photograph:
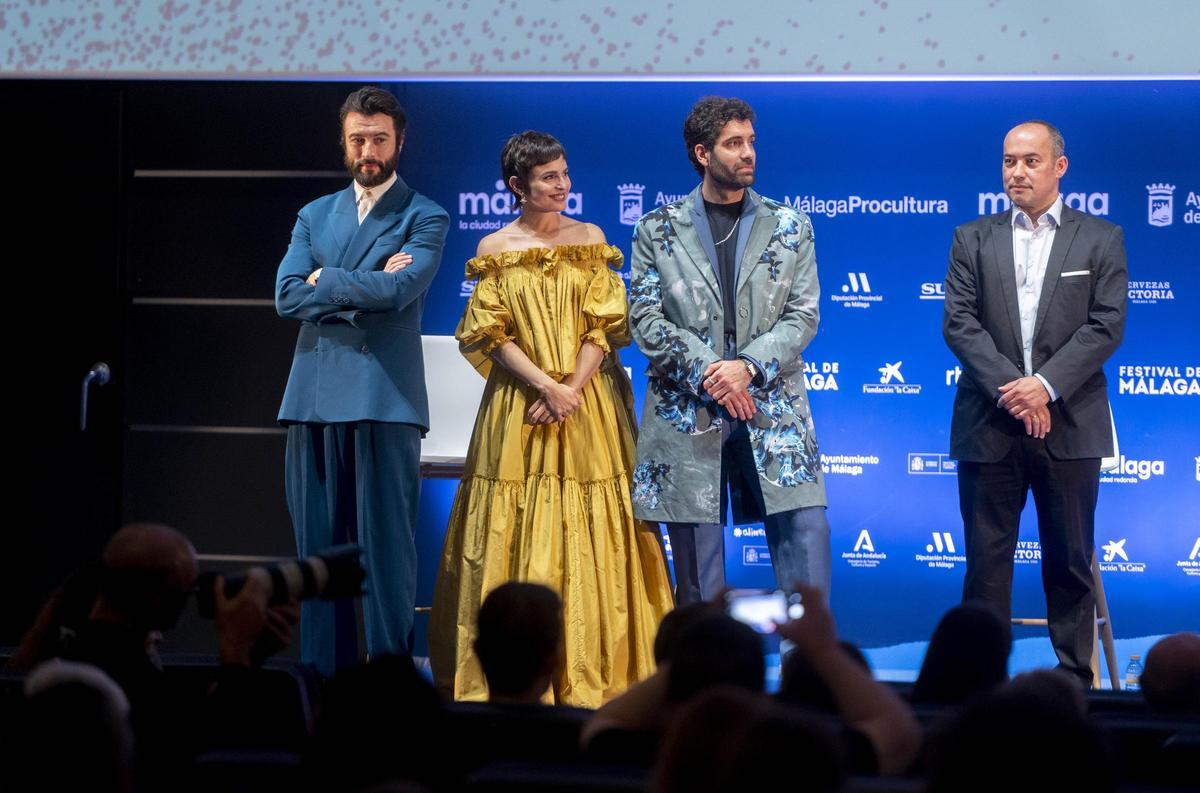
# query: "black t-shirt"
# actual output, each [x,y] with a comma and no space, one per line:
[723,220]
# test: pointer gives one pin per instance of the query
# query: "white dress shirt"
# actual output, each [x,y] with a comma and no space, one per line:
[1032,242]
[376,193]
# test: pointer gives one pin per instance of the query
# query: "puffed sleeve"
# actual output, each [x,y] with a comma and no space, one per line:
[486,323]
[605,309]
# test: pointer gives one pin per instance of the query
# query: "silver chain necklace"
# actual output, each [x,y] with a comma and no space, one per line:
[730,234]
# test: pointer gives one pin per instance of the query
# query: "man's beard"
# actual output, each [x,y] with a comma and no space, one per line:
[727,178]
[385,170]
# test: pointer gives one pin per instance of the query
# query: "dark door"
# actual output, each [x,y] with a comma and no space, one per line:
[63,314]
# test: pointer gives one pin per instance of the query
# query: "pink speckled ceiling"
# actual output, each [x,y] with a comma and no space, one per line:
[554,37]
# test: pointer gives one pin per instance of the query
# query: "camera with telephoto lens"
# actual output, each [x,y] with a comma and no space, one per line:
[332,574]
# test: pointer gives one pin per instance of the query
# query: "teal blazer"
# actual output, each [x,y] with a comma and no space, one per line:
[358,354]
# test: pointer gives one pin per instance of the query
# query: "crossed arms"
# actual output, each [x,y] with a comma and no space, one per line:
[337,291]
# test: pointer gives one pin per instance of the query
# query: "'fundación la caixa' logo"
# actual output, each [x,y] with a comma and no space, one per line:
[1115,558]
[891,381]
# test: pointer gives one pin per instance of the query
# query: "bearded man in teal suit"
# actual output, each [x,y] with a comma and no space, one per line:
[723,301]
[355,275]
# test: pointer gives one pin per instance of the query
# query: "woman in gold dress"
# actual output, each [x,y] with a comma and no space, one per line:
[545,496]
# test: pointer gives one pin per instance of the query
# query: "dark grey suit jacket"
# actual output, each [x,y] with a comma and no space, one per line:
[1080,321]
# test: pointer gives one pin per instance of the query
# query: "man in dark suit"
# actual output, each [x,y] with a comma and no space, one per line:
[1035,304]
[355,275]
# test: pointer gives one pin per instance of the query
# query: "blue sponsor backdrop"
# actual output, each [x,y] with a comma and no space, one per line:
[887,170]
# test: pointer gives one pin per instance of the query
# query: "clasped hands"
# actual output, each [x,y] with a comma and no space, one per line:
[394,264]
[1026,399]
[556,403]
[727,382]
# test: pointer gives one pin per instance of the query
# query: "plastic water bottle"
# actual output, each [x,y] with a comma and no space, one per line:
[1133,674]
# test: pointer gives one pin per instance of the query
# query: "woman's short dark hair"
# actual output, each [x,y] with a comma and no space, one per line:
[370,101]
[525,151]
[706,120]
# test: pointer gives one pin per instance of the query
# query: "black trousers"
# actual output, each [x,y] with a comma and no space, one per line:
[991,497]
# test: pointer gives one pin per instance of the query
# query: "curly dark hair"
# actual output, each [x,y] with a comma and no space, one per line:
[525,151]
[370,101]
[706,120]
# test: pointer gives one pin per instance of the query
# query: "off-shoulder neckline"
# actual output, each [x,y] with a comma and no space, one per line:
[547,257]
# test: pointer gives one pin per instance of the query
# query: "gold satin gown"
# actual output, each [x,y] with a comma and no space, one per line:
[551,503]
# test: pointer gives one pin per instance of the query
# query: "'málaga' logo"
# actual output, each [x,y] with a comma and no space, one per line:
[501,203]
[1133,471]
[1091,203]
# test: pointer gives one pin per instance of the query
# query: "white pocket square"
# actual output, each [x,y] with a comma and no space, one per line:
[1075,272]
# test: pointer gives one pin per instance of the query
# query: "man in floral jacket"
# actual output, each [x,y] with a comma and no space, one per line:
[723,300]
